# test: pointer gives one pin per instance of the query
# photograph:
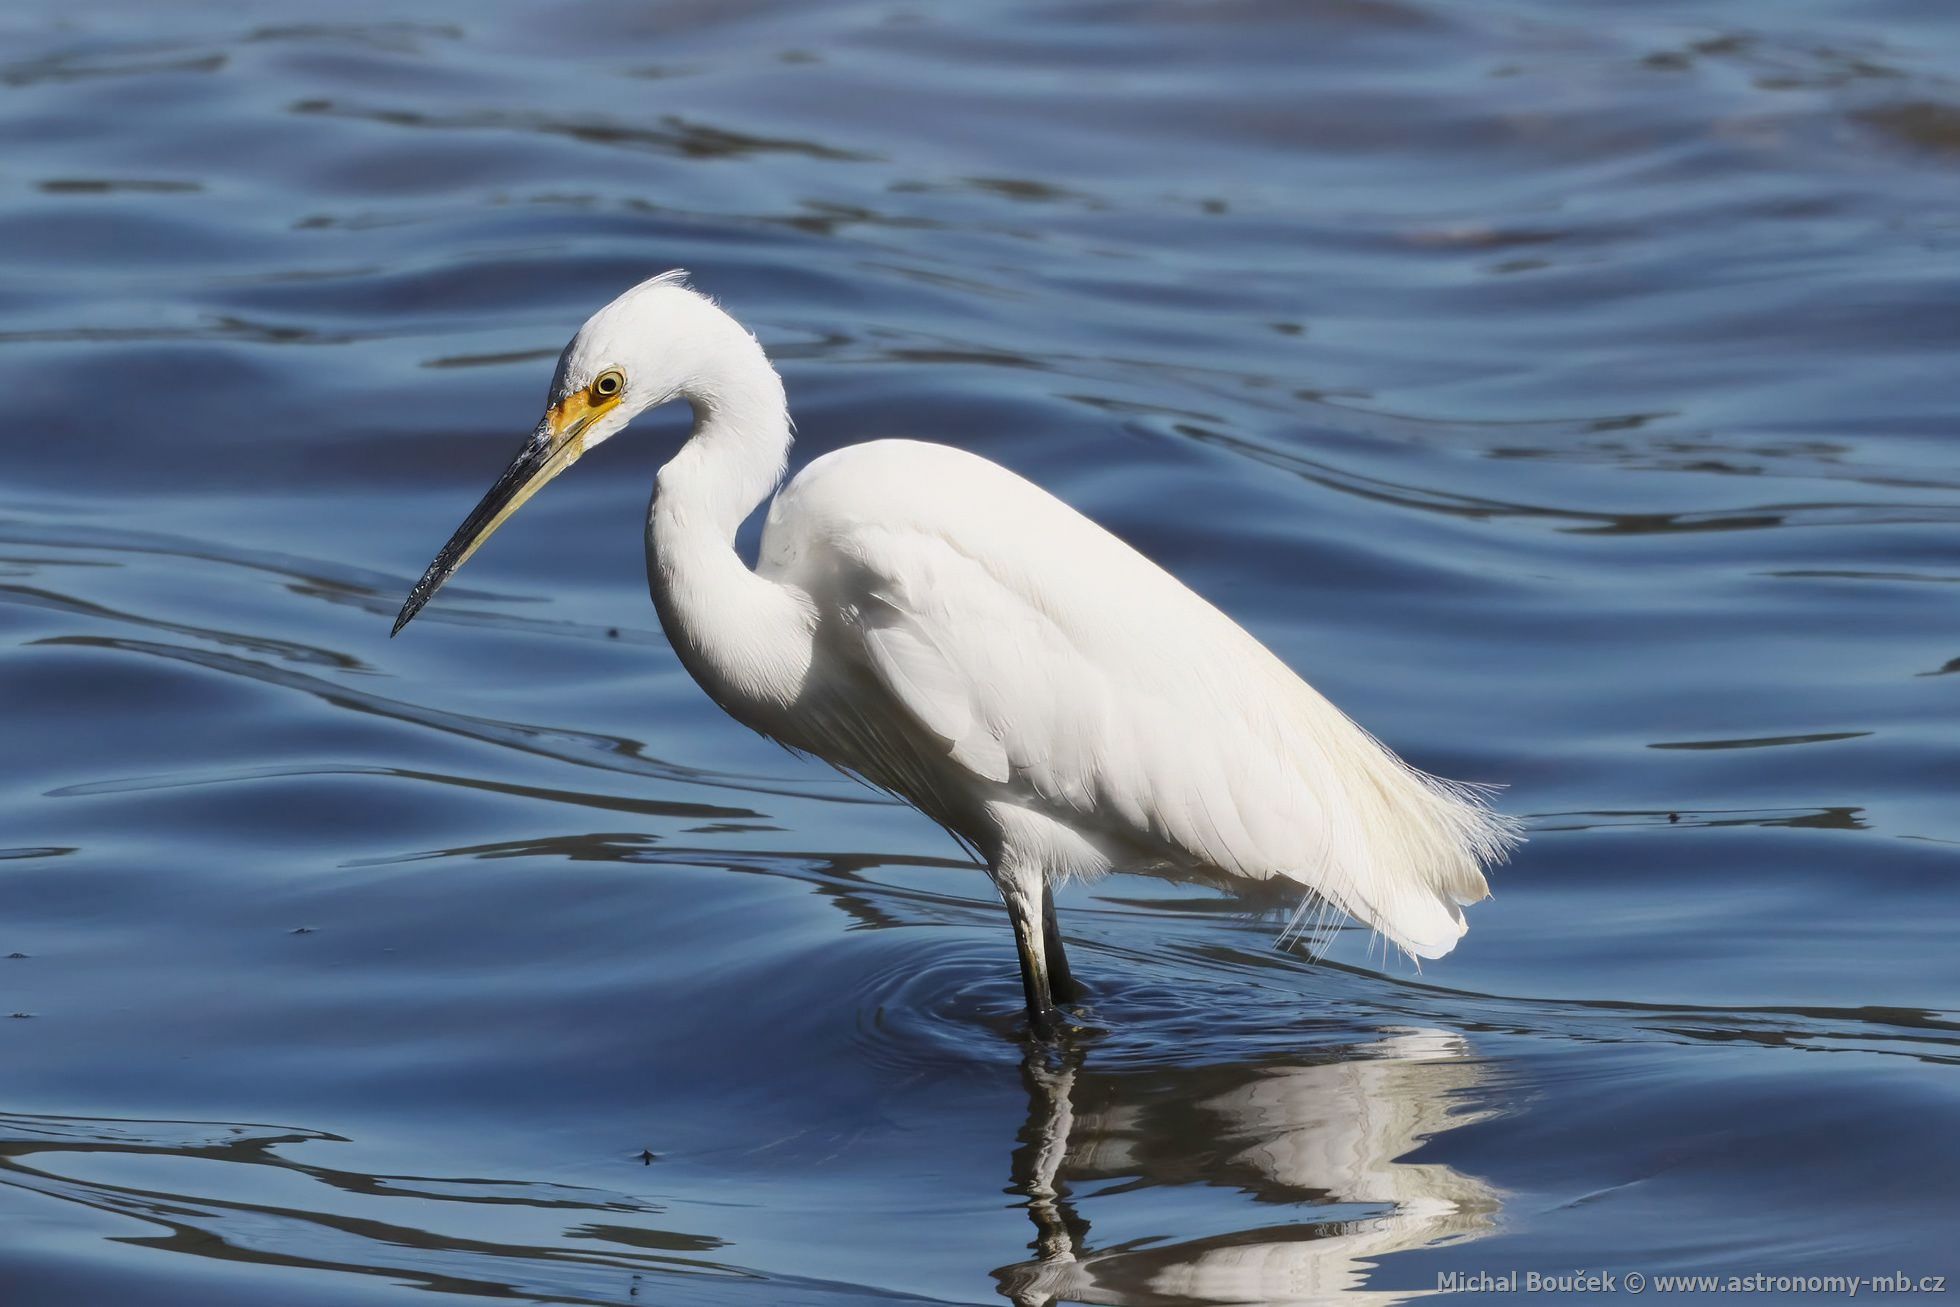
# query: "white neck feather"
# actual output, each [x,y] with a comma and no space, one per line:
[746,639]
[740,443]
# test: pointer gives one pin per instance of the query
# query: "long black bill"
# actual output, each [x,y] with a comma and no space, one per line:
[541,459]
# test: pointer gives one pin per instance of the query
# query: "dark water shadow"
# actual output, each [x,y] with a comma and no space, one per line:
[545,794]
[672,135]
[131,61]
[287,650]
[1762,741]
[1835,817]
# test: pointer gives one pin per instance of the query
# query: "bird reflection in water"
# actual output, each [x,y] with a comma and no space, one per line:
[1323,1138]
[1328,1133]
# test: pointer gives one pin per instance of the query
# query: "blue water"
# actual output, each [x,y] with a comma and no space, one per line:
[1565,389]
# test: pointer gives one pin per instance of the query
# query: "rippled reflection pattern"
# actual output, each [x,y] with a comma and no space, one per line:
[1567,392]
[1330,1134]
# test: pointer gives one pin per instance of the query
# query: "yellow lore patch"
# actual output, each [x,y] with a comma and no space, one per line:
[570,416]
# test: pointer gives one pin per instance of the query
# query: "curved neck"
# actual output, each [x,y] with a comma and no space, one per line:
[740,444]
[741,636]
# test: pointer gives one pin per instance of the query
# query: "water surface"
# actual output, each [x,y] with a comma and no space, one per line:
[1565,389]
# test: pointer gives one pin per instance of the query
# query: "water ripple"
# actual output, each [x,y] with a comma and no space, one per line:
[1568,394]
[374,1225]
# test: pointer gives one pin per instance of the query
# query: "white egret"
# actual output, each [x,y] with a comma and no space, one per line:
[928,621]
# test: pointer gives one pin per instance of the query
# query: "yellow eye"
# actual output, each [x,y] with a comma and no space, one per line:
[608,383]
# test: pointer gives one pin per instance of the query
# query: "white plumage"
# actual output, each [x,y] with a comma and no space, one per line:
[930,621]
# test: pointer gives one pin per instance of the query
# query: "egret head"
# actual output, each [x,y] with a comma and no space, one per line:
[641,350]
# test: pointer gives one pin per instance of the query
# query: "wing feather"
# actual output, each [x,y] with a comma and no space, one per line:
[931,688]
[1057,664]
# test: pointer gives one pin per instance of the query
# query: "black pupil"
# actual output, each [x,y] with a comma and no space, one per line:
[607,385]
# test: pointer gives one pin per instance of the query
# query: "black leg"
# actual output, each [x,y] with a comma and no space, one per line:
[1061,981]
[1022,894]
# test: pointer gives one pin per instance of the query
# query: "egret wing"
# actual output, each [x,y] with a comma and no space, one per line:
[1051,667]
[928,683]
[1086,702]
